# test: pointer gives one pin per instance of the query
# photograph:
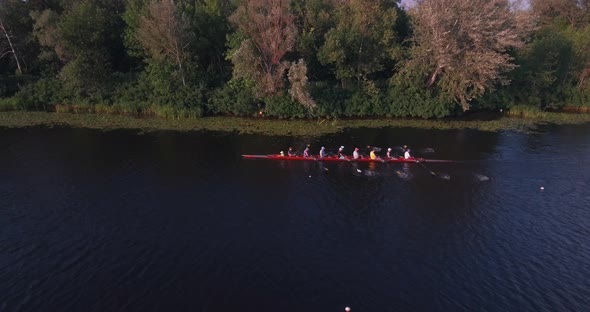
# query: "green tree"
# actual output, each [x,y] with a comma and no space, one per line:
[315,18]
[553,68]
[363,41]
[83,32]
[210,25]
[570,18]
[134,11]
[84,38]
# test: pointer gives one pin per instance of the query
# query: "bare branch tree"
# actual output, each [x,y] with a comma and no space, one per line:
[45,30]
[298,80]
[464,44]
[272,33]
[576,12]
[164,34]
[11,49]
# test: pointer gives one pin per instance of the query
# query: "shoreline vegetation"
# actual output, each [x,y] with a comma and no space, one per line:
[519,121]
[296,60]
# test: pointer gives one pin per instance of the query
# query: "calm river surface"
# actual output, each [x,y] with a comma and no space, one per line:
[165,221]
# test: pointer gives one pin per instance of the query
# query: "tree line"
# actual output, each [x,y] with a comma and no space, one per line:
[287,58]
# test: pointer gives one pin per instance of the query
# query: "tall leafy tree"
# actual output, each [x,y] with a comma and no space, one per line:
[85,37]
[581,42]
[364,40]
[209,23]
[542,77]
[83,32]
[575,14]
[134,11]
[554,67]
[315,18]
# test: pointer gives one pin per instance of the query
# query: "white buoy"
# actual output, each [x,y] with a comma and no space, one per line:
[542,188]
[310,176]
[347,309]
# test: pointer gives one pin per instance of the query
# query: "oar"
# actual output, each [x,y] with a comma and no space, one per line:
[375,148]
[353,164]
[427,150]
[431,172]
[441,175]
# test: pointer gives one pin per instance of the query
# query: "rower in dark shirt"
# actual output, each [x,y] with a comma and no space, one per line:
[306,152]
[291,152]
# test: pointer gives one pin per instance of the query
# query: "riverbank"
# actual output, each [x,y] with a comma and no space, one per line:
[274,126]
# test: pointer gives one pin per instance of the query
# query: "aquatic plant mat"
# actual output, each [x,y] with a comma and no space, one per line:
[274,126]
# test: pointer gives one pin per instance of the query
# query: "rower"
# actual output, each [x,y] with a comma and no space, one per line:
[389,152]
[322,152]
[282,154]
[407,154]
[372,154]
[341,153]
[306,152]
[356,154]
[291,152]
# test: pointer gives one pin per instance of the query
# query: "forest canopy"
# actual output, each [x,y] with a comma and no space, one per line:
[294,59]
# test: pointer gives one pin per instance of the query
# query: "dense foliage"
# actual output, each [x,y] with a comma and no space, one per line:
[293,59]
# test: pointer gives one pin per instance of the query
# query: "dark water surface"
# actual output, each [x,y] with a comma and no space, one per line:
[121,221]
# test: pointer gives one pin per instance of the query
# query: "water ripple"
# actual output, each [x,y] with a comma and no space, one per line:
[120,221]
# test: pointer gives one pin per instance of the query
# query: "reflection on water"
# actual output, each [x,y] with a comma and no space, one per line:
[105,221]
[402,174]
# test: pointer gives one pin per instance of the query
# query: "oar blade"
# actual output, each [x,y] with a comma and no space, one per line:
[444,176]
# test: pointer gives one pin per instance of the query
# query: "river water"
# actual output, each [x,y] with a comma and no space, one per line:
[164,221]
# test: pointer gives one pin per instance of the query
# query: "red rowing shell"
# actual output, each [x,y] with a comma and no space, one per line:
[347,159]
